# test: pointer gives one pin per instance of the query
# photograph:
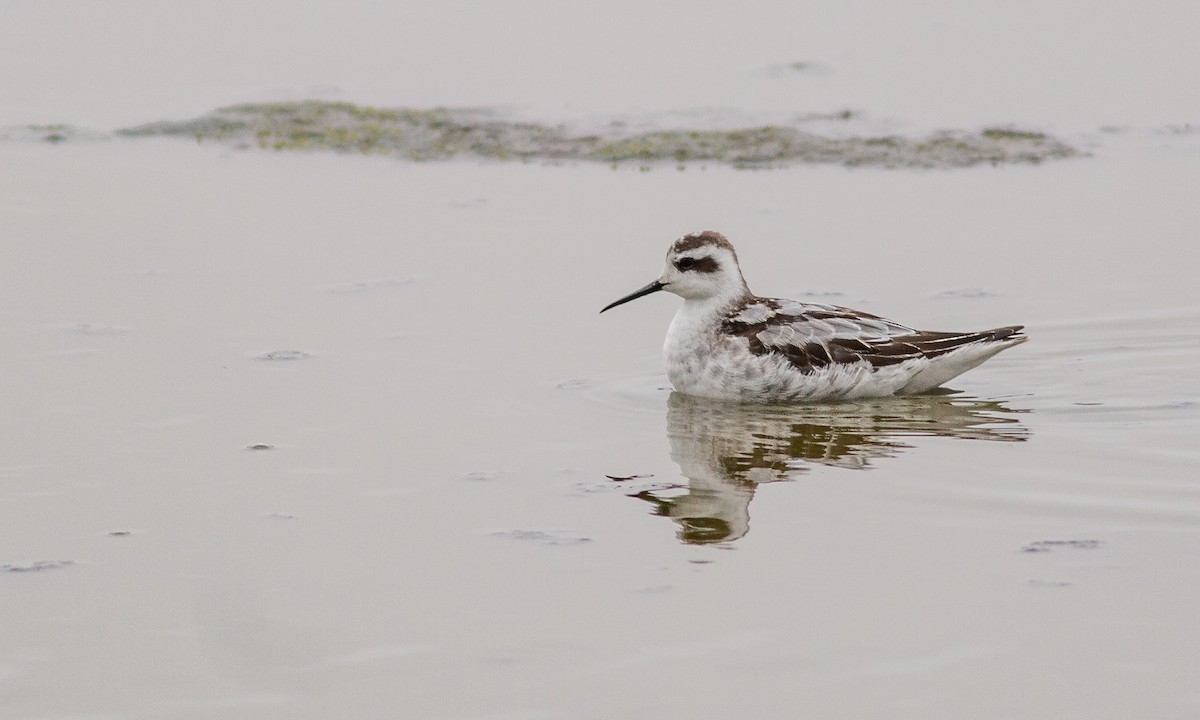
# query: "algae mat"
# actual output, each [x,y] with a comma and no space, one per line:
[445,133]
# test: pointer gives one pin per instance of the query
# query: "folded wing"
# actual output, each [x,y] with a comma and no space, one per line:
[813,335]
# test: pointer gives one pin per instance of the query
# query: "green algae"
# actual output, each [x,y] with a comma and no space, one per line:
[446,133]
[342,127]
[997,133]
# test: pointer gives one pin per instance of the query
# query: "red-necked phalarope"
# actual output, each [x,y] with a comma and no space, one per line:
[727,343]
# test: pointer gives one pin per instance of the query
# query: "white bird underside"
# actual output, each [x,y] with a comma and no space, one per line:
[726,343]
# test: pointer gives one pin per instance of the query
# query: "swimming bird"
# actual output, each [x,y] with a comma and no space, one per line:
[727,343]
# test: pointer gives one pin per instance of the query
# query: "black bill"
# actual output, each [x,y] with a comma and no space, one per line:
[651,288]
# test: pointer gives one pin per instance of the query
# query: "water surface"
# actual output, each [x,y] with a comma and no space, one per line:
[433,511]
[301,436]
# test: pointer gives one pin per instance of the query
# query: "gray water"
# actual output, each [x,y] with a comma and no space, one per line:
[304,436]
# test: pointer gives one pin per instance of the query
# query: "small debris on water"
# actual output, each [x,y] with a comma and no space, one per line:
[94,329]
[260,446]
[51,134]
[284,355]
[803,67]
[1184,129]
[1048,583]
[119,533]
[626,485]
[1049,545]
[575,384]
[543,538]
[625,478]
[364,286]
[965,293]
[36,566]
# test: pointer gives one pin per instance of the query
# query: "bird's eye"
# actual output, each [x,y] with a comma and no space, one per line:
[685,263]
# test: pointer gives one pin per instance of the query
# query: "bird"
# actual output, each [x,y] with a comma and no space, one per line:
[727,343]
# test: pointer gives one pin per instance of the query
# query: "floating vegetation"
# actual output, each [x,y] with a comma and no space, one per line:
[52,134]
[442,133]
[997,133]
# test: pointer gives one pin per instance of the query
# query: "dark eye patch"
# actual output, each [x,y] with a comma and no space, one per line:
[704,264]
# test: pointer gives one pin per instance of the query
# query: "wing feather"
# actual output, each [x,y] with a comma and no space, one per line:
[814,335]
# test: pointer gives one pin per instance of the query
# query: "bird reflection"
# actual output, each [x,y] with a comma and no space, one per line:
[726,450]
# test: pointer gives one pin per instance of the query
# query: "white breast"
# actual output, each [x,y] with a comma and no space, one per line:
[691,345]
